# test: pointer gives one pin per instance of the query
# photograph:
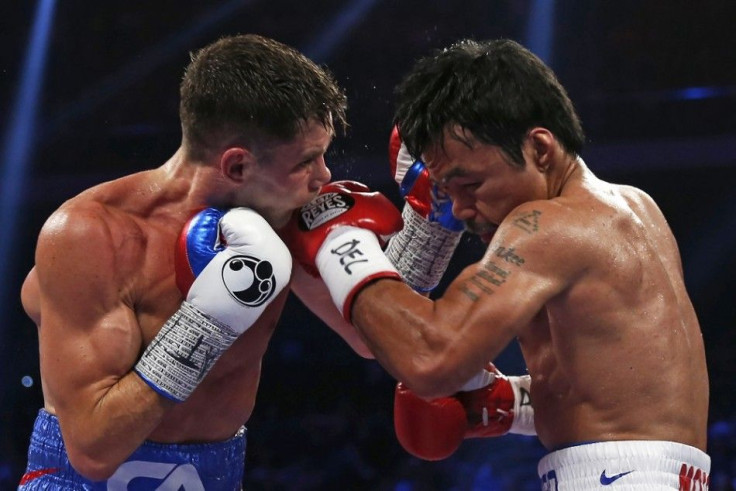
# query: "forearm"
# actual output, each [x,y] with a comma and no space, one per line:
[433,346]
[314,295]
[403,332]
[100,434]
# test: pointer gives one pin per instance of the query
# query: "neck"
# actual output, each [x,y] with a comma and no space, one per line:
[569,171]
[199,182]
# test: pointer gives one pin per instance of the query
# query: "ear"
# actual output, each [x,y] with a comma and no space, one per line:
[236,163]
[542,147]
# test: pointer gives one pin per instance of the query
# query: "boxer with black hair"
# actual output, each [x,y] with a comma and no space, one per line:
[584,273]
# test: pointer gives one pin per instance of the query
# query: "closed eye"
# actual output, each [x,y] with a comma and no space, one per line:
[303,165]
[458,184]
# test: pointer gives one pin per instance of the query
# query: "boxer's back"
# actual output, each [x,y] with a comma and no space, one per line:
[620,353]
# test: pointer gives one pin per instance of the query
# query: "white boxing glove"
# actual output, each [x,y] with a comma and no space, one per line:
[229,265]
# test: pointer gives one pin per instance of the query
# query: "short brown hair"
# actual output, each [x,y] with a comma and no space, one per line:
[249,89]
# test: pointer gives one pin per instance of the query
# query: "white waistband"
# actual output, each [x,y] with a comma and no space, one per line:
[628,464]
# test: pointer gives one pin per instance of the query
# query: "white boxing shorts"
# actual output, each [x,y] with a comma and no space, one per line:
[214,466]
[625,465]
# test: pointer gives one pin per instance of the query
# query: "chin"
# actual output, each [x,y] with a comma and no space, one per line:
[484,231]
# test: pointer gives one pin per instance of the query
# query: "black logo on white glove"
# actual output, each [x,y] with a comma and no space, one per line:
[249,280]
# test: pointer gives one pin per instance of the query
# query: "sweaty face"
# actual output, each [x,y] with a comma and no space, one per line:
[481,180]
[291,175]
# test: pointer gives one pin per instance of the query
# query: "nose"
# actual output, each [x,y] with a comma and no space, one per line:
[321,174]
[462,207]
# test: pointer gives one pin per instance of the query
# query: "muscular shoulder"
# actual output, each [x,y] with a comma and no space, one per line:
[547,238]
[546,224]
[83,225]
[103,221]
[641,204]
[82,246]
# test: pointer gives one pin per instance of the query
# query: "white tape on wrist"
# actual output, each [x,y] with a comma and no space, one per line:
[523,423]
[422,250]
[349,258]
[484,378]
[183,352]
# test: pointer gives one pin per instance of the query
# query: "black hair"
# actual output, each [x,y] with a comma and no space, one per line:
[497,89]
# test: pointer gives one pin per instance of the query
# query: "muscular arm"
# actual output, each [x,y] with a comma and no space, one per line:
[435,346]
[89,340]
[315,296]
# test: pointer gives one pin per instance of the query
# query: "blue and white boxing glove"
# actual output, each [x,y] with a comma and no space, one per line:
[229,266]
[422,250]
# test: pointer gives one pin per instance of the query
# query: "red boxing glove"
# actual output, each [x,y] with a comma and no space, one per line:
[422,250]
[503,406]
[417,188]
[430,430]
[339,203]
[434,429]
[414,186]
[340,235]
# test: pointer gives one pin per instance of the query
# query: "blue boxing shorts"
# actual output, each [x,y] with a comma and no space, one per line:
[189,467]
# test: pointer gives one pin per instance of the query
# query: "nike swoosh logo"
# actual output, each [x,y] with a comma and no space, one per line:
[30,476]
[606,480]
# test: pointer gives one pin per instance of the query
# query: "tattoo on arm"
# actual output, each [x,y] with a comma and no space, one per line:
[528,222]
[492,275]
[482,282]
[509,255]
[471,295]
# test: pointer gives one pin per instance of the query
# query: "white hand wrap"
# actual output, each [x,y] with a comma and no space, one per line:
[349,258]
[482,379]
[183,352]
[422,250]
[523,423]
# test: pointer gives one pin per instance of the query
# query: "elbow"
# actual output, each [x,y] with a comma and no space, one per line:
[431,381]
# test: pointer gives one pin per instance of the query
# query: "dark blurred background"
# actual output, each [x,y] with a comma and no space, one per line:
[89,92]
